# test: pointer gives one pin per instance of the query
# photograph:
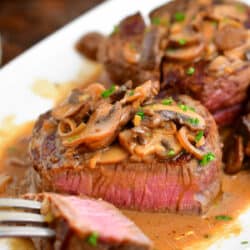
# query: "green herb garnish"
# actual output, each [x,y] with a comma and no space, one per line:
[194,121]
[156,20]
[140,113]
[182,41]
[167,101]
[179,16]
[92,239]
[159,21]
[72,138]
[199,136]
[191,108]
[183,107]
[207,158]
[223,217]
[190,71]
[108,92]
[131,92]
[171,152]
[245,242]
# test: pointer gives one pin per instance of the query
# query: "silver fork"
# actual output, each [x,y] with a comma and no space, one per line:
[33,223]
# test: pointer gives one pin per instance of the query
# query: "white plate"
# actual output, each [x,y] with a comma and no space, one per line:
[55,59]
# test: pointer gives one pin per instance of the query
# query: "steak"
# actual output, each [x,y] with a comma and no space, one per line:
[130,147]
[84,223]
[198,48]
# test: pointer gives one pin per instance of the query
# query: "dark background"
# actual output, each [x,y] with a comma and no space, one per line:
[25,22]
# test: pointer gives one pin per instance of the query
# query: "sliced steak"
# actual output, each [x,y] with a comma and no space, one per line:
[162,154]
[83,223]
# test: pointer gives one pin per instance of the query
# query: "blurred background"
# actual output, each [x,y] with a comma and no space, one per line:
[24,23]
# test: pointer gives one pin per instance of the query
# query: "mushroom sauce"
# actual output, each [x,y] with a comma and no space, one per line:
[168,231]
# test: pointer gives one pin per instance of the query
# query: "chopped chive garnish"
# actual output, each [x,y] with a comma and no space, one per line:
[131,92]
[183,107]
[245,242]
[92,239]
[193,121]
[167,101]
[140,113]
[179,16]
[156,20]
[190,71]
[70,139]
[199,136]
[171,152]
[223,217]
[115,30]
[207,158]
[182,41]
[191,108]
[108,92]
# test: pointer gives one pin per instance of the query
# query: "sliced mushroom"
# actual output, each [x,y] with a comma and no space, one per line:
[101,128]
[77,99]
[151,53]
[186,54]
[130,53]
[67,128]
[112,155]
[230,37]
[183,138]
[222,11]
[208,29]
[241,51]
[219,64]
[159,142]
[142,93]
[172,112]
[189,37]
[235,156]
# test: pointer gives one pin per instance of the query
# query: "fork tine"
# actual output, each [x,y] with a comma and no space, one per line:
[26,231]
[19,203]
[12,216]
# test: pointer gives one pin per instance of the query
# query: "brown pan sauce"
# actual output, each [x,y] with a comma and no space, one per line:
[168,231]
